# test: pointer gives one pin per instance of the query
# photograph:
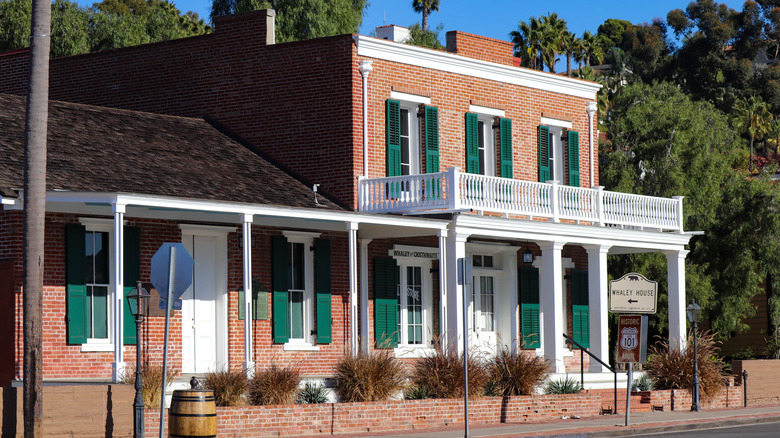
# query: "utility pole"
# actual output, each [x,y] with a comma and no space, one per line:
[35,214]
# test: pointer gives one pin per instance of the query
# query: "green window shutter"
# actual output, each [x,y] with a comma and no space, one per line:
[259,302]
[431,139]
[385,302]
[393,119]
[579,307]
[574,158]
[472,143]
[132,271]
[529,307]
[544,153]
[323,289]
[505,138]
[280,285]
[76,300]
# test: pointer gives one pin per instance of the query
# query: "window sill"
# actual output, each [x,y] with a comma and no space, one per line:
[96,347]
[413,352]
[294,346]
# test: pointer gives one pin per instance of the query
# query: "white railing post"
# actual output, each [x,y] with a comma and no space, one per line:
[453,188]
[680,225]
[600,205]
[554,200]
[361,193]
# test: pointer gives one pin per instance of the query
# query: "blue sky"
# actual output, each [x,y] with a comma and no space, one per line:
[496,18]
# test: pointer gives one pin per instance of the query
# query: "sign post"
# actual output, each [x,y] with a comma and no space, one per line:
[464,279]
[171,275]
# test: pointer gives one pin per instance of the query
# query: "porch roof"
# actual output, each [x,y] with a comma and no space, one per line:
[96,149]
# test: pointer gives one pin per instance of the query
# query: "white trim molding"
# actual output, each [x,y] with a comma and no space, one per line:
[407,97]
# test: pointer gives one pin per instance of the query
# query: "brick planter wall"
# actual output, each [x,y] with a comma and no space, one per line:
[680,399]
[338,418]
[759,373]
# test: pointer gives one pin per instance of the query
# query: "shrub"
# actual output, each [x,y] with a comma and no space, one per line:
[642,383]
[673,369]
[274,386]
[442,374]
[374,376]
[567,385]
[513,373]
[229,387]
[416,393]
[312,393]
[151,382]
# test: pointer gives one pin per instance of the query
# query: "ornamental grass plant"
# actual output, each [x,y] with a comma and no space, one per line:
[274,386]
[671,368]
[441,373]
[374,376]
[151,382]
[516,373]
[229,387]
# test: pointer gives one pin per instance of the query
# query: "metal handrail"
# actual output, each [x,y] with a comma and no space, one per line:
[582,367]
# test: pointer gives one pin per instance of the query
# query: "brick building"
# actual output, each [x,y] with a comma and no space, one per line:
[419,158]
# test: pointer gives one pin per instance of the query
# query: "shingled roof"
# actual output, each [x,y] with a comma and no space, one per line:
[95,149]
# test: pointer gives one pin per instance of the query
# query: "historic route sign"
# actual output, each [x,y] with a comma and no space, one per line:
[633,293]
[632,339]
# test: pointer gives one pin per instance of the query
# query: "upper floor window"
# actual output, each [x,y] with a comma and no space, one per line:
[488,142]
[559,152]
[412,135]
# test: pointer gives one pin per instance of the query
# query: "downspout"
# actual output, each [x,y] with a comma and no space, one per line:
[591,108]
[365,68]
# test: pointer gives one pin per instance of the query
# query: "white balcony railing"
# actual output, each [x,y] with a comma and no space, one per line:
[454,190]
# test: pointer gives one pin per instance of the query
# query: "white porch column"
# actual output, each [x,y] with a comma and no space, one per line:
[514,305]
[364,336]
[352,227]
[598,306]
[118,367]
[675,274]
[443,288]
[249,364]
[456,249]
[551,300]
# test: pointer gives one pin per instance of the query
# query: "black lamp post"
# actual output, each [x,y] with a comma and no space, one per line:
[136,300]
[694,312]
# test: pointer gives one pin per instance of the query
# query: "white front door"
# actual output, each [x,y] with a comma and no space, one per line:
[483,323]
[203,304]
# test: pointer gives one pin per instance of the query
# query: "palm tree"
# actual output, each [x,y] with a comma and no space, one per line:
[553,29]
[591,48]
[425,7]
[527,40]
[753,119]
[571,46]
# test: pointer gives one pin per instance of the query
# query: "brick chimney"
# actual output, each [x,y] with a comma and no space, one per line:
[480,47]
[238,27]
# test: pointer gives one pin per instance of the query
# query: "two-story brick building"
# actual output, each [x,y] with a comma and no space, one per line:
[428,157]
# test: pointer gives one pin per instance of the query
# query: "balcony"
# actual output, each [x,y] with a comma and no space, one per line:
[454,190]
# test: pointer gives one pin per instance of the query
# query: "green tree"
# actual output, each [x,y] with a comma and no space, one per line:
[610,33]
[527,40]
[302,19]
[425,7]
[425,38]
[592,48]
[646,46]
[69,29]
[553,30]
[15,18]
[752,118]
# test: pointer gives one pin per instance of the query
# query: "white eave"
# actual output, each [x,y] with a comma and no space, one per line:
[451,63]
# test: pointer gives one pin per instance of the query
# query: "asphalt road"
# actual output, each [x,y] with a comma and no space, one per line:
[760,430]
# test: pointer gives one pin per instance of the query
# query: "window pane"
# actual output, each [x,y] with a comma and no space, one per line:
[486,302]
[96,246]
[406,153]
[296,314]
[414,304]
[482,160]
[97,298]
[296,269]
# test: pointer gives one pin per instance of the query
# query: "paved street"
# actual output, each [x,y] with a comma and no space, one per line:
[748,422]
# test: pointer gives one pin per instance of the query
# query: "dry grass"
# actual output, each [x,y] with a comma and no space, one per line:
[441,374]
[229,387]
[274,386]
[673,369]
[151,382]
[512,373]
[375,376]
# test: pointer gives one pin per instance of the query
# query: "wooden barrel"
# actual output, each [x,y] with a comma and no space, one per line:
[193,413]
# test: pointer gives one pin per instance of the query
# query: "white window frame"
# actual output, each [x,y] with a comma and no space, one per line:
[106,226]
[487,148]
[307,342]
[557,170]
[411,103]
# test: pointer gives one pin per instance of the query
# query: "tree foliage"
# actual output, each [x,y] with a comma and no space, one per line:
[425,7]
[106,25]
[425,38]
[301,19]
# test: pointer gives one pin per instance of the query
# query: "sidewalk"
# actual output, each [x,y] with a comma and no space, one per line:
[606,425]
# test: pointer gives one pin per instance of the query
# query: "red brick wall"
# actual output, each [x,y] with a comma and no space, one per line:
[339,418]
[301,102]
[760,372]
[480,47]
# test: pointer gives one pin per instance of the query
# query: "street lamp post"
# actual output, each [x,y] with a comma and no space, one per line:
[694,313]
[136,300]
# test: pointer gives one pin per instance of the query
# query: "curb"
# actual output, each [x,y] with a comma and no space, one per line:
[659,429]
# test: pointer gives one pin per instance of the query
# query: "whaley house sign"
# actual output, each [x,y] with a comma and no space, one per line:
[633,293]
